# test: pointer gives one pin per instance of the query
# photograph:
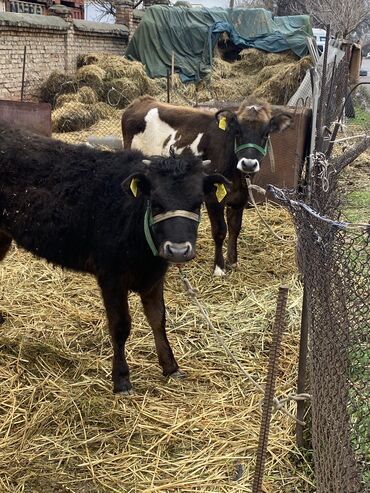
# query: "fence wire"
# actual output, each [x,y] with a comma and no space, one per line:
[334,260]
[335,263]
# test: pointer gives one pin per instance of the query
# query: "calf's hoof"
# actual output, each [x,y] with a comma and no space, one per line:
[218,272]
[233,266]
[123,388]
[178,374]
[124,392]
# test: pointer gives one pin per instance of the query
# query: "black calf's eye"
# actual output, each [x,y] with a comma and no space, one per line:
[157,209]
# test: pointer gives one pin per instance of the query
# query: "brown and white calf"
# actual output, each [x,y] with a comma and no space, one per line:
[233,143]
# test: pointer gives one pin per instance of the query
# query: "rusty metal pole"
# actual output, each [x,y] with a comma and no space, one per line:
[268,399]
[23,71]
[302,365]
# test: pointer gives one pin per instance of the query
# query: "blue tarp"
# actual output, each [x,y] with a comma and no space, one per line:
[192,34]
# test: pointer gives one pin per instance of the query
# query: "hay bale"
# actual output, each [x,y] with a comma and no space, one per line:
[118,68]
[56,84]
[104,111]
[89,59]
[253,60]
[87,95]
[73,116]
[65,98]
[267,72]
[120,92]
[234,90]
[282,57]
[84,95]
[92,76]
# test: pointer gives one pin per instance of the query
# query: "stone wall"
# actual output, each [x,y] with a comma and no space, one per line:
[52,43]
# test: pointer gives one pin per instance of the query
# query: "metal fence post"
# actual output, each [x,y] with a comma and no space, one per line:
[267,405]
[23,72]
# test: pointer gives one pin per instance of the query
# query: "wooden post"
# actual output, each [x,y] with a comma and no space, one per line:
[172,69]
[168,86]
[302,365]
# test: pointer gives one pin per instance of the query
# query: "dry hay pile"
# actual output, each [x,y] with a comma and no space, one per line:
[73,115]
[115,81]
[61,428]
[271,76]
[101,84]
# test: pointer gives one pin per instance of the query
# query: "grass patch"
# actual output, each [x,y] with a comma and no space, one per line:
[358,206]
[362,116]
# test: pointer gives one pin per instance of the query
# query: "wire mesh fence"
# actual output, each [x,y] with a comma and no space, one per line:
[334,259]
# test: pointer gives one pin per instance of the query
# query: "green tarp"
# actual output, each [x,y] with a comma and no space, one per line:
[192,33]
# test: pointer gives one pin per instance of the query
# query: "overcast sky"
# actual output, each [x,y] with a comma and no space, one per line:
[91,13]
[213,3]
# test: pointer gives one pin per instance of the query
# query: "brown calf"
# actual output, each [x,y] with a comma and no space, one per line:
[233,142]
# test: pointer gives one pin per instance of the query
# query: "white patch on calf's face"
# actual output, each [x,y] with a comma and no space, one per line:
[158,137]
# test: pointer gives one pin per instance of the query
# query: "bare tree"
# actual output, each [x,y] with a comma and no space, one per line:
[344,16]
[253,4]
[104,9]
[107,8]
[290,7]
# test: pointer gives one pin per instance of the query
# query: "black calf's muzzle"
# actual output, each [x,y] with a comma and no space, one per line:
[177,252]
[171,251]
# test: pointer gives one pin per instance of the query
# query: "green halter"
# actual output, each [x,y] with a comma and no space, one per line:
[149,221]
[262,150]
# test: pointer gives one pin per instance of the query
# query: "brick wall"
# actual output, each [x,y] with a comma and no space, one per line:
[52,44]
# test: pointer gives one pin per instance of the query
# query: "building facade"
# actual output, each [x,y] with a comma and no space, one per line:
[41,7]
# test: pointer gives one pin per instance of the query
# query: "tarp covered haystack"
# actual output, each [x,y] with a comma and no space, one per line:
[191,34]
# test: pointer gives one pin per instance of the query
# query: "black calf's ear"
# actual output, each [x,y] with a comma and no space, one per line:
[136,183]
[280,122]
[217,184]
[226,120]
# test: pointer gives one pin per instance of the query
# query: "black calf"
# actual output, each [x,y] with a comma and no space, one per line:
[109,214]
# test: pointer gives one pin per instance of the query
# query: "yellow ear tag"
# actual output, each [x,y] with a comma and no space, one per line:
[222,123]
[220,191]
[133,187]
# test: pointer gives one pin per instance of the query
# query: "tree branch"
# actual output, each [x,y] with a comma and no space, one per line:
[350,155]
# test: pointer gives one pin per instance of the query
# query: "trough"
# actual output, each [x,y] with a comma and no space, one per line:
[35,117]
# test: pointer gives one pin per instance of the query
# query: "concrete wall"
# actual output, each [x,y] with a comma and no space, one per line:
[52,44]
